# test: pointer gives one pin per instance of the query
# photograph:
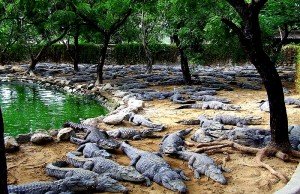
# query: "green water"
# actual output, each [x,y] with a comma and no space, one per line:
[27,108]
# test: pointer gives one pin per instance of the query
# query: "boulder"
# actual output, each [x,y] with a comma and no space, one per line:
[136,104]
[93,121]
[11,145]
[65,134]
[114,119]
[41,138]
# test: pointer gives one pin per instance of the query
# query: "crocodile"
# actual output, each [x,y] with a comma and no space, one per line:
[101,165]
[238,121]
[212,98]
[189,122]
[202,164]
[208,134]
[42,187]
[250,136]
[171,143]
[154,167]
[129,133]
[90,150]
[93,135]
[177,98]
[136,119]
[211,105]
[208,123]
[90,181]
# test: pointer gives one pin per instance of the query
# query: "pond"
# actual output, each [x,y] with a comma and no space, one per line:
[27,108]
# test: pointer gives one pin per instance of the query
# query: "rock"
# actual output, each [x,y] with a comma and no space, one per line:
[53,132]
[136,104]
[93,121]
[11,144]
[65,134]
[41,138]
[23,138]
[114,119]
[107,86]
[120,94]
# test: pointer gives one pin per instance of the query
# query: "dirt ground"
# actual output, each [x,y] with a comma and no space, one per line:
[28,164]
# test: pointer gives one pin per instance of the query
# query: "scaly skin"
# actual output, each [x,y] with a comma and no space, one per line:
[101,165]
[171,143]
[126,133]
[90,150]
[202,164]
[211,105]
[141,120]
[89,181]
[238,121]
[42,187]
[93,135]
[156,168]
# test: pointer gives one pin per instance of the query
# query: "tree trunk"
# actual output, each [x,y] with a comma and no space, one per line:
[183,61]
[147,51]
[250,38]
[102,60]
[33,64]
[3,167]
[76,50]
[278,115]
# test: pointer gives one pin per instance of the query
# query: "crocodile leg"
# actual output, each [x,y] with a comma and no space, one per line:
[134,161]
[197,175]
[182,175]
[137,137]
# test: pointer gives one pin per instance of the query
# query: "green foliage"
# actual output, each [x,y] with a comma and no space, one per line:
[133,53]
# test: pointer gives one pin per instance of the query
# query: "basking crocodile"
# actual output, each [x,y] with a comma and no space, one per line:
[90,150]
[129,133]
[141,120]
[177,98]
[238,121]
[189,122]
[101,165]
[93,135]
[202,164]
[59,186]
[208,123]
[211,105]
[212,98]
[90,181]
[154,167]
[171,143]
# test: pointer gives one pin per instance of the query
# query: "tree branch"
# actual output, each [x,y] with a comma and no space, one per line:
[237,30]
[117,24]
[239,5]
[88,21]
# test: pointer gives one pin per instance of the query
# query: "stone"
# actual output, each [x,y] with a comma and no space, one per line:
[107,86]
[136,104]
[114,119]
[41,138]
[11,144]
[65,134]
[120,94]
[93,121]
[23,138]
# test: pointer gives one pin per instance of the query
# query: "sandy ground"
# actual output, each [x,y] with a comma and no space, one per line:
[28,164]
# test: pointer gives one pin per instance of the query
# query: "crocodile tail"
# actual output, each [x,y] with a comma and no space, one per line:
[74,160]
[55,169]
[76,140]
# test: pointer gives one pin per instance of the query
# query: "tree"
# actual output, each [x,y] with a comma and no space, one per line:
[249,34]
[107,17]
[44,24]
[185,21]
[3,167]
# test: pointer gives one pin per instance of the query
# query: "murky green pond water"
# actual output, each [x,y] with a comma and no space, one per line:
[27,108]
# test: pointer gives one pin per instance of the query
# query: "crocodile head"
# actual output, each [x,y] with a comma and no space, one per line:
[107,184]
[173,181]
[102,153]
[131,174]
[147,133]
[216,174]
[108,144]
